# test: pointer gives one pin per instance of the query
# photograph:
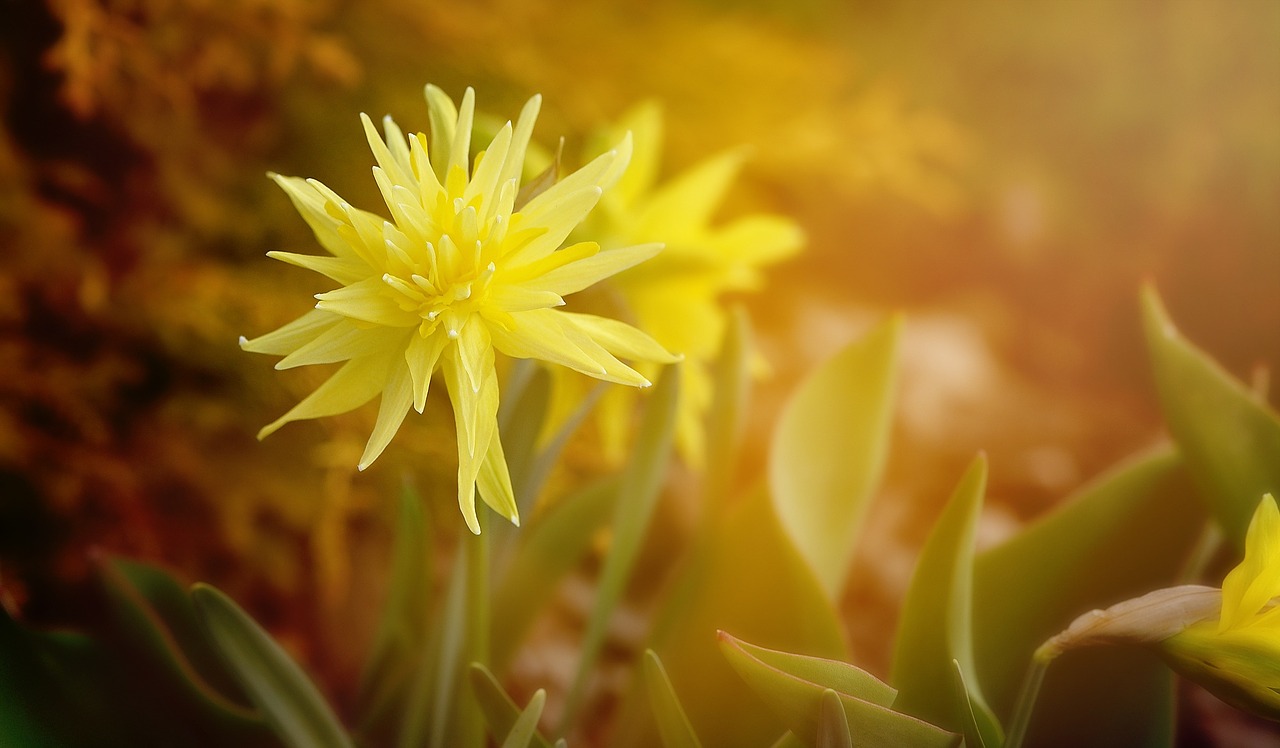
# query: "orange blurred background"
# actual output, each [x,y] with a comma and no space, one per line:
[1006,173]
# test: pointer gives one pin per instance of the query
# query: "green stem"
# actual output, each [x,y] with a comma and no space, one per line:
[1027,696]
[478,630]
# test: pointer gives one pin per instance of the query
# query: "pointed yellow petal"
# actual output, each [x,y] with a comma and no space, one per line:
[587,272]
[422,355]
[484,182]
[370,301]
[344,341]
[444,120]
[460,149]
[1253,583]
[350,387]
[517,298]
[546,335]
[397,145]
[686,203]
[310,204]
[476,418]
[341,269]
[621,339]
[289,338]
[383,156]
[644,121]
[397,396]
[520,141]
[494,482]
[559,217]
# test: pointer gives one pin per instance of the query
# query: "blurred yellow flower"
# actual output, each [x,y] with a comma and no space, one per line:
[467,265]
[678,297]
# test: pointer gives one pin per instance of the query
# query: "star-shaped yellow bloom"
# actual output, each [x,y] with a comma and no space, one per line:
[678,298]
[466,266]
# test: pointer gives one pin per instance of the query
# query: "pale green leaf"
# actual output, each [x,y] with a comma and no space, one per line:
[275,684]
[1228,436]
[798,703]
[936,625]
[1125,534]
[725,418]
[673,723]
[526,725]
[971,727]
[829,450]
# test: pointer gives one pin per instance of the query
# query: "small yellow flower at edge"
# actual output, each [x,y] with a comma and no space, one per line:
[459,272]
[1227,640]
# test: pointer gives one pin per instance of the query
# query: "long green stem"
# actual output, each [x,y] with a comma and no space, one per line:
[1027,696]
[478,626]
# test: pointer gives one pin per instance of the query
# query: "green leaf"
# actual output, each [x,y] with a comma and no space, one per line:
[732,380]
[971,726]
[400,641]
[829,451]
[937,620]
[673,723]
[273,682]
[551,545]
[833,725]
[1228,436]
[156,616]
[500,713]
[526,725]
[789,740]
[1125,534]
[719,587]
[640,485]
[828,673]
[798,702]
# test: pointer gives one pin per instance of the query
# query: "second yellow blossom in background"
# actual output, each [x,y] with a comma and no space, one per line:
[467,266]
[678,297]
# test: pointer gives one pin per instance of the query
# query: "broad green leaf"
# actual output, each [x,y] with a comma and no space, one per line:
[673,723]
[937,620]
[526,725]
[400,641]
[155,615]
[745,576]
[829,450]
[833,725]
[732,379]
[500,712]
[274,682]
[798,703]
[1125,534]
[1229,438]
[548,548]
[640,484]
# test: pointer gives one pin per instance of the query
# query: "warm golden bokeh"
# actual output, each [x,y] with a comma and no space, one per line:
[1006,174]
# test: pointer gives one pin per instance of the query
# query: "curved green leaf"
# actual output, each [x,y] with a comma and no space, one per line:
[937,619]
[673,723]
[833,725]
[972,726]
[829,450]
[732,380]
[500,713]
[274,683]
[828,673]
[798,703]
[1126,533]
[1228,436]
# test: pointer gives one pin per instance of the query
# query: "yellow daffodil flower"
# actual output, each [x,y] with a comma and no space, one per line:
[466,267]
[678,297]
